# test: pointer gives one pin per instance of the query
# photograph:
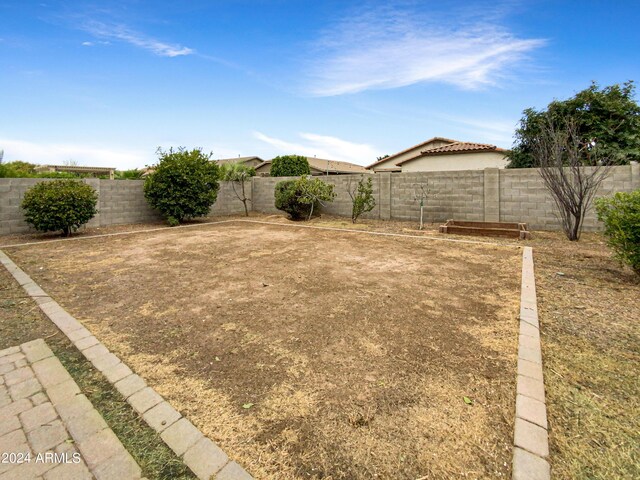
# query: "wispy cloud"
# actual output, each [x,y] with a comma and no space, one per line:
[56,153]
[390,47]
[123,33]
[323,146]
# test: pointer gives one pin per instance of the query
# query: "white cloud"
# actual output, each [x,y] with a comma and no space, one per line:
[86,155]
[125,34]
[87,44]
[322,146]
[390,47]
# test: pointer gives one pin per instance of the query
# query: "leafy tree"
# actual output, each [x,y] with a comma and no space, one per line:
[621,217]
[59,205]
[238,173]
[133,174]
[300,197]
[608,116]
[572,171]
[290,166]
[184,184]
[17,169]
[382,157]
[361,197]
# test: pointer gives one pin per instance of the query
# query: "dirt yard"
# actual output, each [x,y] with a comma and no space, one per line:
[308,353]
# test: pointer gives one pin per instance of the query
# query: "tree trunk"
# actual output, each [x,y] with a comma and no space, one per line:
[244,201]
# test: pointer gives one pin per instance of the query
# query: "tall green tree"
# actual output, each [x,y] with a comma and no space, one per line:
[290,166]
[607,117]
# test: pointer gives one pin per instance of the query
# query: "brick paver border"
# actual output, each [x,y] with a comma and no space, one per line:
[531,445]
[530,438]
[52,414]
[205,459]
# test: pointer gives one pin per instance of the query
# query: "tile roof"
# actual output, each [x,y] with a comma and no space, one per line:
[456,147]
[333,166]
[423,144]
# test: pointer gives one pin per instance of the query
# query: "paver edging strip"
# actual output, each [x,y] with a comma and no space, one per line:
[65,406]
[530,436]
[205,459]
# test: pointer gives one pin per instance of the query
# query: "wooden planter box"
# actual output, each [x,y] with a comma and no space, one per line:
[487,229]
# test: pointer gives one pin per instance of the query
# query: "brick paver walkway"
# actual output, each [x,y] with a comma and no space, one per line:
[48,429]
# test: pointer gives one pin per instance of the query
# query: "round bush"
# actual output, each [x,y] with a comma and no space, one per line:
[184,185]
[621,217]
[300,198]
[289,166]
[286,195]
[59,205]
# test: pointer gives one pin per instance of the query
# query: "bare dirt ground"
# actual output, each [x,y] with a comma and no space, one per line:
[309,353]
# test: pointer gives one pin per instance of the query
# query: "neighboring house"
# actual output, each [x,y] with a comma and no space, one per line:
[441,154]
[248,161]
[91,171]
[319,166]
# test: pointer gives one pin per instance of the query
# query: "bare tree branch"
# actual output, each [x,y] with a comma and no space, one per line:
[572,172]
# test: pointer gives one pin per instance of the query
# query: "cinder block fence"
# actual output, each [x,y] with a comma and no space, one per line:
[517,195]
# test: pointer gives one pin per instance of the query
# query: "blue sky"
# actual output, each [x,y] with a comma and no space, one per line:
[107,83]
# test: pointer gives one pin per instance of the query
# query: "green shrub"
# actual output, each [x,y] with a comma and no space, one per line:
[183,185]
[621,216]
[59,205]
[287,200]
[289,166]
[133,174]
[361,197]
[299,198]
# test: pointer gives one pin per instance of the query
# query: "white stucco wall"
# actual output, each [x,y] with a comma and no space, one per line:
[414,152]
[458,161]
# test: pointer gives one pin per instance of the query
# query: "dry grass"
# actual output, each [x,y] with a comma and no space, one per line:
[589,312]
[21,321]
[355,351]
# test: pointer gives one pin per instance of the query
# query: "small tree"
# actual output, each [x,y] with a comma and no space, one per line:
[621,217]
[421,192]
[59,205]
[314,192]
[237,174]
[290,166]
[183,185]
[361,197]
[572,171]
[300,197]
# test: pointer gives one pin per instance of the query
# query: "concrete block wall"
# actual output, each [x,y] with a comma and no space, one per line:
[227,203]
[524,197]
[453,194]
[508,195]
[122,201]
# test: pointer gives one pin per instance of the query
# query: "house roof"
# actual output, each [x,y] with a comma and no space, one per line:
[335,166]
[456,147]
[74,168]
[237,160]
[332,166]
[423,144]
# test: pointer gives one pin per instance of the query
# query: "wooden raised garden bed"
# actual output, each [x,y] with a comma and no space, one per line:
[487,229]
